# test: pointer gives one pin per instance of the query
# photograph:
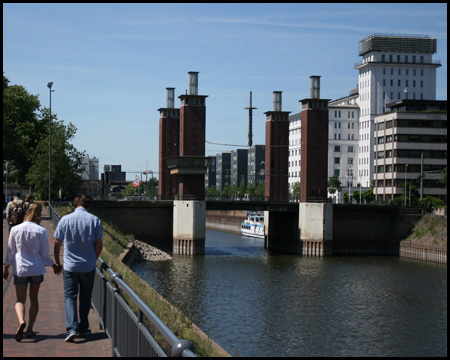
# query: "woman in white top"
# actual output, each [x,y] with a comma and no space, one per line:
[28,253]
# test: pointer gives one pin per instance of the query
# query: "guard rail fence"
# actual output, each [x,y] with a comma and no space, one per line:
[126,330]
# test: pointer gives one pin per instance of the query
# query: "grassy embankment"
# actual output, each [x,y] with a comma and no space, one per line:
[430,231]
[114,243]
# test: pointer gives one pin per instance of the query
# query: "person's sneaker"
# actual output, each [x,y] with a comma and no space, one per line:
[85,332]
[70,337]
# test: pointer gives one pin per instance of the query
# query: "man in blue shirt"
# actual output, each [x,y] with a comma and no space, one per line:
[82,235]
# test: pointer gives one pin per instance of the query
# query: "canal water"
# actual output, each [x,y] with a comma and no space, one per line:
[256,303]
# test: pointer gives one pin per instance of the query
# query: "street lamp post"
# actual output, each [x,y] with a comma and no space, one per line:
[49,85]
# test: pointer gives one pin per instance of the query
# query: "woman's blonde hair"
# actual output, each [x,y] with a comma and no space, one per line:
[33,213]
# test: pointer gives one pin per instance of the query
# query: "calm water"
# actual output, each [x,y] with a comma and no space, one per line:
[256,303]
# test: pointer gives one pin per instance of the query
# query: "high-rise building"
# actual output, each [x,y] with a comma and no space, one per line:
[256,165]
[239,162]
[411,146]
[90,169]
[393,67]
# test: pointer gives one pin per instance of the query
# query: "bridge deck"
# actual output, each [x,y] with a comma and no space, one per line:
[252,206]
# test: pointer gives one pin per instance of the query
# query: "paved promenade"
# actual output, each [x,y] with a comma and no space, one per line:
[50,322]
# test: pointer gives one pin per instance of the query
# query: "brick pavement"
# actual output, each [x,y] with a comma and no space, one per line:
[50,322]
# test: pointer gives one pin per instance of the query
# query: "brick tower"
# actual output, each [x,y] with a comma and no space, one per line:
[169,138]
[190,166]
[314,146]
[277,151]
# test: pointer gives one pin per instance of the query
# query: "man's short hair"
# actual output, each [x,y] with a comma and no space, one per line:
[83,200]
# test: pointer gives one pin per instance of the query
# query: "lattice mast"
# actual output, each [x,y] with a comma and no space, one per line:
[250,122]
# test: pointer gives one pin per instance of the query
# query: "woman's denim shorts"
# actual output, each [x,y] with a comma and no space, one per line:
[24,280]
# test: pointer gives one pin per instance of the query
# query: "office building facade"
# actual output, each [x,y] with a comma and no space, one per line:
[393,67]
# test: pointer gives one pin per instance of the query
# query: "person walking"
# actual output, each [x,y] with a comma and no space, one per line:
[29,199]
[14,211]
[81,233]
[28,253]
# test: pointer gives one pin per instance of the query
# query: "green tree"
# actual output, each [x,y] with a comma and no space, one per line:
[260,190]
[65,163]
[296,189]
[355,196]
[334,184]
[430,202]
[22,130]
[251,190]
[212,191]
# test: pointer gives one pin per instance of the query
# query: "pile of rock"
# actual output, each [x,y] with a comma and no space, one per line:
[147,252]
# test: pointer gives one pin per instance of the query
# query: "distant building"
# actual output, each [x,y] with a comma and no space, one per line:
[295,128]
[256,165]
[393,67]
[343,139]
[113,180]
[239,163]
[223,170]
[210,176]
[414,129]
[90,169]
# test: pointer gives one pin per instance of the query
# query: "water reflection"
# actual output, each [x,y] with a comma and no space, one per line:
[264,304]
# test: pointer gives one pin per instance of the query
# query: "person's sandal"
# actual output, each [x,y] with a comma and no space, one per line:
[19,332]
[31,334]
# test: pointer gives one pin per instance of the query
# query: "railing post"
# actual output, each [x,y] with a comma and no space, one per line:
[114,312]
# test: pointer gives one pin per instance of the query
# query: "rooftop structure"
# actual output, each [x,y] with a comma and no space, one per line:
[397,43]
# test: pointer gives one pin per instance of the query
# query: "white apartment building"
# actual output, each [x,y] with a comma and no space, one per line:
[294,149]
[343,139]
[393,67]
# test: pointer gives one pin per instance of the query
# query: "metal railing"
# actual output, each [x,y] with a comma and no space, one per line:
[125,329]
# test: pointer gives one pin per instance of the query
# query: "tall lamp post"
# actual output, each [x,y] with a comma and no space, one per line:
[49,85]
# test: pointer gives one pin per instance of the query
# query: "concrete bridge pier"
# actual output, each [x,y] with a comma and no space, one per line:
[281,232]
[308,232]
[316,229]
[189,227]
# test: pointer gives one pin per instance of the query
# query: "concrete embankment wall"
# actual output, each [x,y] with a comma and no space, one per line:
[224,220]
[422,253]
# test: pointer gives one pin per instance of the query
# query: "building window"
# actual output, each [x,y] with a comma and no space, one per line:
[337,160]
[350,149]
[337,148]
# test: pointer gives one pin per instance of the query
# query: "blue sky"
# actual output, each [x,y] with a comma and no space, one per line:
[111,63]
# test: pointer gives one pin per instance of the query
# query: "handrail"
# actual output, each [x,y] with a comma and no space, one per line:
[106,292]
[178,347]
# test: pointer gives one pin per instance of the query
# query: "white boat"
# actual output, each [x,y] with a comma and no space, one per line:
[254,225]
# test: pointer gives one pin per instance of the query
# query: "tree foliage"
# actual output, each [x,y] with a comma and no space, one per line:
[334,184]
[65,164]
[22,129]
[26,145]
